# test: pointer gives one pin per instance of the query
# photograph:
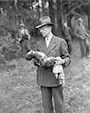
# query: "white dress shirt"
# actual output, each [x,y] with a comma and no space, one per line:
[47,40]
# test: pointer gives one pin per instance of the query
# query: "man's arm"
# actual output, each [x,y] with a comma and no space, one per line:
[71,32]
[86,32]
[27,33]
[76,33]
[64,53]
[36,63]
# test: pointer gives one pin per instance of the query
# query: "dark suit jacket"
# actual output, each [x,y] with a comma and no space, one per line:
[57,47]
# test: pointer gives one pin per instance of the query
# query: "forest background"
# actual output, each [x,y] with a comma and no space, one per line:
[13,12]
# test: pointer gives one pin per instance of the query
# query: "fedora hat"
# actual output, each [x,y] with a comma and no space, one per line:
[22,25]
[80,20]
[44,21]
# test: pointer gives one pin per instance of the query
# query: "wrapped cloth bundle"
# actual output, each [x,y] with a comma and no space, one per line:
[56,62]
[58,70]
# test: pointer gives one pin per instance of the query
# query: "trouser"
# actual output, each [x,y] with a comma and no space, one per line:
[84,47]
[57,93]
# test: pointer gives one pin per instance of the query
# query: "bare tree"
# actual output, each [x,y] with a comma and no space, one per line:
[89,15]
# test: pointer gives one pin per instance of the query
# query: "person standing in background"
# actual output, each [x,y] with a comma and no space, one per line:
[82,36]
[51,46]
[24,39]
[67,34]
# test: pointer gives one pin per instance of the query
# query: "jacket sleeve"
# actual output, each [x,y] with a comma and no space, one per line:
[27,33]
[71,32]
[36,63]
[64,53]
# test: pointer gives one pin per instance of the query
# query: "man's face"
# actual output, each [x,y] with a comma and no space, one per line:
[65,24]
[45,30]
[21,28]
[80,23]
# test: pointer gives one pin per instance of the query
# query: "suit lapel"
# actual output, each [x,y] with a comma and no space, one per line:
[51,46]
[43,46]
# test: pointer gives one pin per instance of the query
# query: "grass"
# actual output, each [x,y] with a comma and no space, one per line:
[19,92]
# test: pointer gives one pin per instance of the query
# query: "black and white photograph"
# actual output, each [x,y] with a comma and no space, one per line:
[44,56]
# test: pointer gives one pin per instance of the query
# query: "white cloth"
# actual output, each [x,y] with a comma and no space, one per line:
[47,40]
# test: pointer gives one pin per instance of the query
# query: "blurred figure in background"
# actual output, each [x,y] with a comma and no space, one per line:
[24,39]
[67,34]
[82,36]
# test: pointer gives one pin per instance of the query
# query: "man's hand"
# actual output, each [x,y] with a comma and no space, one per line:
[49,62]
[59,60]
[30,52]
[36,63]
[29,55]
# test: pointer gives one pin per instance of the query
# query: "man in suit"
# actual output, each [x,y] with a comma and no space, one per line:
[24,39]
[51,46]
[67,34]
[82,36]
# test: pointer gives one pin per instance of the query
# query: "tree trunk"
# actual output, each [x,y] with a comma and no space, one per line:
[69,17]
[52,13]
[89,15]
[59,17]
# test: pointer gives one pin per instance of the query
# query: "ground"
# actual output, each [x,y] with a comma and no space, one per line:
[19,92]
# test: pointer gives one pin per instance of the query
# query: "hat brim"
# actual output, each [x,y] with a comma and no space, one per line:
[22,26]
[48,24]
